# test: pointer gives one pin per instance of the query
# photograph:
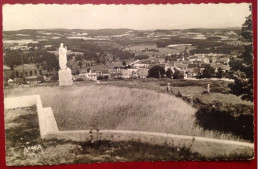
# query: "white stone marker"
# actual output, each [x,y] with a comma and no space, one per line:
[65,77]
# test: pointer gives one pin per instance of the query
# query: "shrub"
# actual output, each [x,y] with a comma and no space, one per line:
[177,74]
[40,79]
[169,73]
[103,77]
[54,78]
[208,72]
[219,116]
[79,79]
[142,57]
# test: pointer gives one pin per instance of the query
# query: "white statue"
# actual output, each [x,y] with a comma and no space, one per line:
[63,57]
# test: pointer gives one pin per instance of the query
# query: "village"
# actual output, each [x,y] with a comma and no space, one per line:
[180,61]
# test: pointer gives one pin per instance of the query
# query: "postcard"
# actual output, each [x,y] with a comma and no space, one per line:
[118,83]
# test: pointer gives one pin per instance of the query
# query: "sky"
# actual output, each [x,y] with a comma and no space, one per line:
[139,17]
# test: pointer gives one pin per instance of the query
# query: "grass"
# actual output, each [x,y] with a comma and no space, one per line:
[225,98]
[22,131]
[122,108]
[190,86]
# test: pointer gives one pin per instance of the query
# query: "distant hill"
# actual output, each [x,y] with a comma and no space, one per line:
[120,31]
[213,29]
[91,32]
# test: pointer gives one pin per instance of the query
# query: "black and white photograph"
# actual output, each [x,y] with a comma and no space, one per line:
[121,83]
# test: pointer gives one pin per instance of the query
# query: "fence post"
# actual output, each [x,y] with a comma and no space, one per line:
[208,88]
[168,87]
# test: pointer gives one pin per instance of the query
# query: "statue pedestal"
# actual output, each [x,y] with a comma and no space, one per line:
[65,77]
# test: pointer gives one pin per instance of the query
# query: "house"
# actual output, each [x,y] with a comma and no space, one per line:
[7,72]
[82,72]
[111,71]
[224,60]
[89,75]
[90,63]
[115,73]
[195,69]
[140,65]
[129,73]
[180,64]
[142,73]
[191,67]
[231,33]
[126,73]
[105,72]
[205,60]
[29,70]
[225,68]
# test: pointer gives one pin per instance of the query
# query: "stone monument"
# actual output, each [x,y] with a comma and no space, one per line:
[65,77]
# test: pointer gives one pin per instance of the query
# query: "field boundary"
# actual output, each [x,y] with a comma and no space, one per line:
[208,147]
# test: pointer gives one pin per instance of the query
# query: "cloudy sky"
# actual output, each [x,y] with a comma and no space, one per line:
[139,17]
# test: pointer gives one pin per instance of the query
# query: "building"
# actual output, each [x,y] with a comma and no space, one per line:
[196,69]
[180,64]
[142,73]
[129,73]
[224,60]
[105,72]
[225,68]
[89,75]
[29,70]
[115,73]
[231,33]
[7,72]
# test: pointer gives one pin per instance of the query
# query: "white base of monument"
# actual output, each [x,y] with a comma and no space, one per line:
[65,77]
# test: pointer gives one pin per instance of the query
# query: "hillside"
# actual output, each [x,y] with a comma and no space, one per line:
[119,108]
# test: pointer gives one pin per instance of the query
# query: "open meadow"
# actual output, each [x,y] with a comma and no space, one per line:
[122,108]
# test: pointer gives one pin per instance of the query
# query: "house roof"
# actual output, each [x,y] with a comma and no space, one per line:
[203,65]
[83,71]
[226,59]
[105,71]
[192,65]
[223,67]
[6,67]
[197,61]
[197,70]
[26,67]
[151,65]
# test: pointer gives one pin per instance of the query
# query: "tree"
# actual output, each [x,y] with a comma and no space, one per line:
[77,72]
[80,63]
[219,73]
[169,73]
[142,57]
[166,59]
[156,72]
[12,58]
[242,66]
[177,74]
[208,72]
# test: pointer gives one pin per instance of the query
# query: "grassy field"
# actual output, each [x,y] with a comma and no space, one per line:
[178,49]
[25,147]
[160,85]
[111,107]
